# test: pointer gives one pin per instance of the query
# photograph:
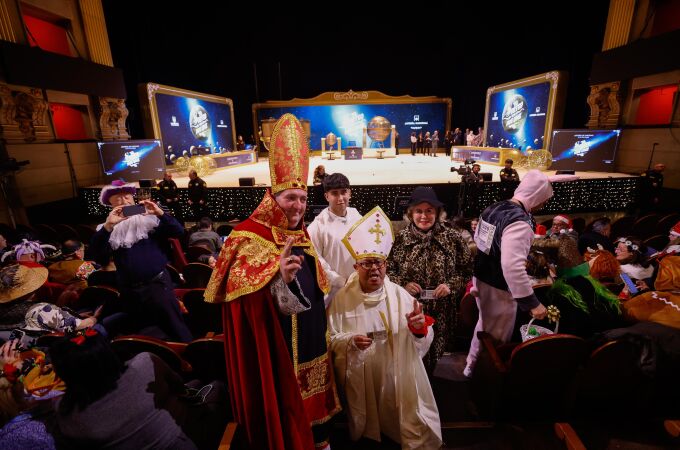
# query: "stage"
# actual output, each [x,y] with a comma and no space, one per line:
[404,169]
[387,182]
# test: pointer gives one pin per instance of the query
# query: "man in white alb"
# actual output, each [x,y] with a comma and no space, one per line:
[379,335]
[328,229]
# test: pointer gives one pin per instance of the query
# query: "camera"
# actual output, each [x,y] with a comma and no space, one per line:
[464,170]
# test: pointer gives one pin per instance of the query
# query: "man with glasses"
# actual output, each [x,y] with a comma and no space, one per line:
[379,335]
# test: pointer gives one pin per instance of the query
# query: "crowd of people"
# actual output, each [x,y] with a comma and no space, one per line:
[427,143]
[341,314]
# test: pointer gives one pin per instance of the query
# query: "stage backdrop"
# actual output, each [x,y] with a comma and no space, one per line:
[346,114]
[522,113]
[182,119]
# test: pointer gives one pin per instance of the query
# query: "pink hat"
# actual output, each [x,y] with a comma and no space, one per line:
[115,188]
[563,218]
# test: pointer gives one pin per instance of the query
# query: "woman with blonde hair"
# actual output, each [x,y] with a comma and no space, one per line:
[432,262]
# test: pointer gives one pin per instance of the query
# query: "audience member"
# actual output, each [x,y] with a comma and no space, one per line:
[22,425]
[72,269]
[136,244]
[603,265]
[206,237]
[27,252]
[377,359]
[538,268]
[586,306]
[630,253]
[599,234]
[432,262]
[560,222]
[328,229]
[659,298]
[109,404]
[20,311]
[269,275]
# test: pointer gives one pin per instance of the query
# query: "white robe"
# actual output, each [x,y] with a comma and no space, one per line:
[386,386]
[326,233]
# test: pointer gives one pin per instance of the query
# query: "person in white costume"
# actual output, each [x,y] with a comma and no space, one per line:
[328,229]
[379,335]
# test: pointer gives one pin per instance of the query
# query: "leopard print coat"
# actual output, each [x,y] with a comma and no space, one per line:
[439,256]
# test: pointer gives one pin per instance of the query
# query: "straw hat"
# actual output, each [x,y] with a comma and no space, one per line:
[18,280]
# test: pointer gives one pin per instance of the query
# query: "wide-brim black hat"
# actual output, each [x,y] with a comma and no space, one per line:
[423,194]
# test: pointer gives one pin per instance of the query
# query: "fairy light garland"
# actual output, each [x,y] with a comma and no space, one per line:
[587,195]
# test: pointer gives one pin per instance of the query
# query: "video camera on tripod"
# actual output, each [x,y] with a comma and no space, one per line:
[465,169]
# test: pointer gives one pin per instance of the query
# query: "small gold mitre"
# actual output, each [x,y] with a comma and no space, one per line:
[370,237]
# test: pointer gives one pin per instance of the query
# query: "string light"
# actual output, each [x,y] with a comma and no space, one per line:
[586,195]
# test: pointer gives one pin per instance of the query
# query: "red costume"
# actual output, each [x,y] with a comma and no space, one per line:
[279,370]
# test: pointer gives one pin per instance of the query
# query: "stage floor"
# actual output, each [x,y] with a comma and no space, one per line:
[404,169]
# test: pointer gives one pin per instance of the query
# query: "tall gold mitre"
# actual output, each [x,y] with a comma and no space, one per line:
[288,155]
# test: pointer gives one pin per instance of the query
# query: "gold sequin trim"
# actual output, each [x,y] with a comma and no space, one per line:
[294,345]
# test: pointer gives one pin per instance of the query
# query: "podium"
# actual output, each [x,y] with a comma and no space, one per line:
[331,154]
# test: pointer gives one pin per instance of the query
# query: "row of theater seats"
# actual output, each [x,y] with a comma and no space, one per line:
[49,233]
[646,227]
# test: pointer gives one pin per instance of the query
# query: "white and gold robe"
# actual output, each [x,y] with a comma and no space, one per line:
[386,386]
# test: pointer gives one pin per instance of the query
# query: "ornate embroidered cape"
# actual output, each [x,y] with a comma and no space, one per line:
[278,367]
[250,258]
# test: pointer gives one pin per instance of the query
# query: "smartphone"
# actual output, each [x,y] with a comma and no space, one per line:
[133,210]
[629,283]
[17,334]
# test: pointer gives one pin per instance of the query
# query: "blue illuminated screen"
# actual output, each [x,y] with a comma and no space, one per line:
[348,121]
[517,117]
[187,122]
[132,160]
[593,150]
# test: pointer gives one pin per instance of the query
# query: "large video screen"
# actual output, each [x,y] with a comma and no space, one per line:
[517,117]
[132,160]
[349,121]
[187,122]
[584,150]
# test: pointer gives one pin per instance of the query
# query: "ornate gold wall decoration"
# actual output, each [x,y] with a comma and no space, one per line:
[113,114]
[605,105]
[94,26]
[23,115]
